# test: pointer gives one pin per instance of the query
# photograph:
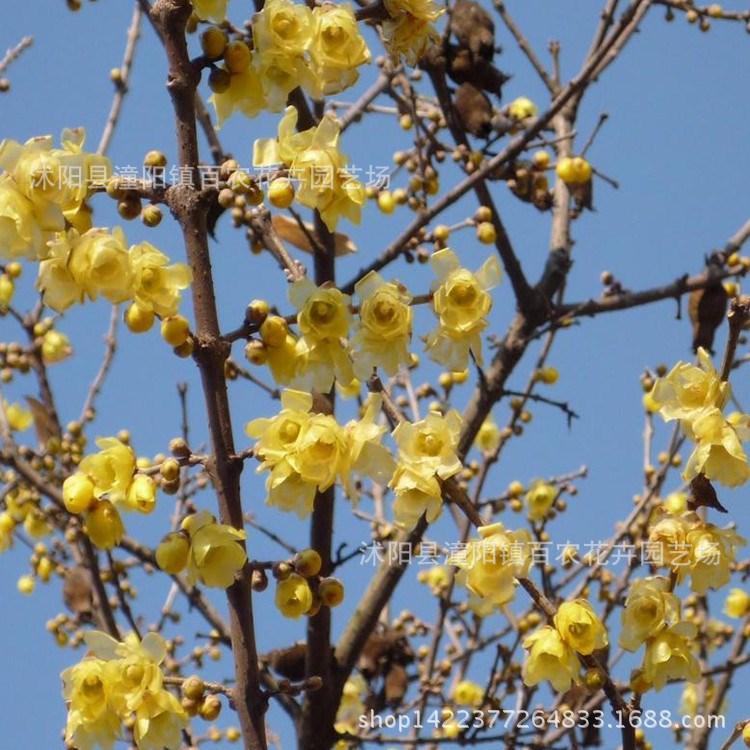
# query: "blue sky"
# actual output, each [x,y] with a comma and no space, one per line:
[675,141]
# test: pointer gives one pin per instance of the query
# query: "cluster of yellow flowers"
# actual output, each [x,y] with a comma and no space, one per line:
[426,454]
[319,49]
[382,331]
[697,396]
[44,189]
[300,590]
[409,29]
[689,546]
[209,550]
[461,302]
[553,649]
[490,565]
[22,506]
[106,483]
[44,216]
[652,616]
[119,681]
[306,451]
[98,262]
[317,165]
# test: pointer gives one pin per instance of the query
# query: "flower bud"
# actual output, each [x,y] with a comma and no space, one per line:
[172,553]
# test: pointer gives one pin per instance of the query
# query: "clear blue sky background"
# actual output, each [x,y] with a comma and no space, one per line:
[676,142]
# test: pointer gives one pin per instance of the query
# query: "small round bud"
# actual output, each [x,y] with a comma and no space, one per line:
[541,159]
[151,216]
[155,159]
[386,202]
[186,348]
[78,493]
[257,312]
[219,80]
[237,57]
[441,232]
[170,470]
[259,580]
[210,709]
[193,688]
[281,192]
[175,330]
[178,447]
[14,269]
[308,563]
[130,208]
[273,331]
[256,352]
[331,592]
[137,319]
[213,42]
[281,571]
[486,233]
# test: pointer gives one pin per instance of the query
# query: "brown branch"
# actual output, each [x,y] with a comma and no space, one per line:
[121,84]
[15,52]
[190,207]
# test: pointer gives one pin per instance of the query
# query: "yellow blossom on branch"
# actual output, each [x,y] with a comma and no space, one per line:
[669,656]
[461,303]
[580,627]
[550,658]
[649,607]
[409,29]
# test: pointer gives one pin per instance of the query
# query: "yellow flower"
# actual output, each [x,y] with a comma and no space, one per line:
[93,263]
[461,303]
[337,50]
[293,596]
[409,30]
[668,545]
[711,555]
[244,94]
[675,503]
[141,494]
[56,181]
[429,446]
[157,286]
[159,721]
[91,720]
[278,436]
[314,160]
[323,320]
[488,436]
[55,347]
[283,360]
[490,565]
[688,389]
[718,453]
[550,658]
[7,525]
[580,627]
[216,555]
[437,577]
[210,10]
[352,705]
[737,603]
[383,330]
[668,656]
[649,608]
[364,452]
[111,470]
[468,693]
[18,418]
[173,552]
[131,667]
[522,108]
[103,524]
[539,499]
[282,31]
[78,493]
[416,494]
[319,452]
[21,234]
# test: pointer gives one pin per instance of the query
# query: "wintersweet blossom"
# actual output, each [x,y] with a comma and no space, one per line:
[580,627]
[409,29]
[649,607]
[490,565]
[323,320]
[540,498]
[316,163]
[669,656]
[382,332]
[210,10]
[461,303]
[550,658]
[216,555]
[293,596]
